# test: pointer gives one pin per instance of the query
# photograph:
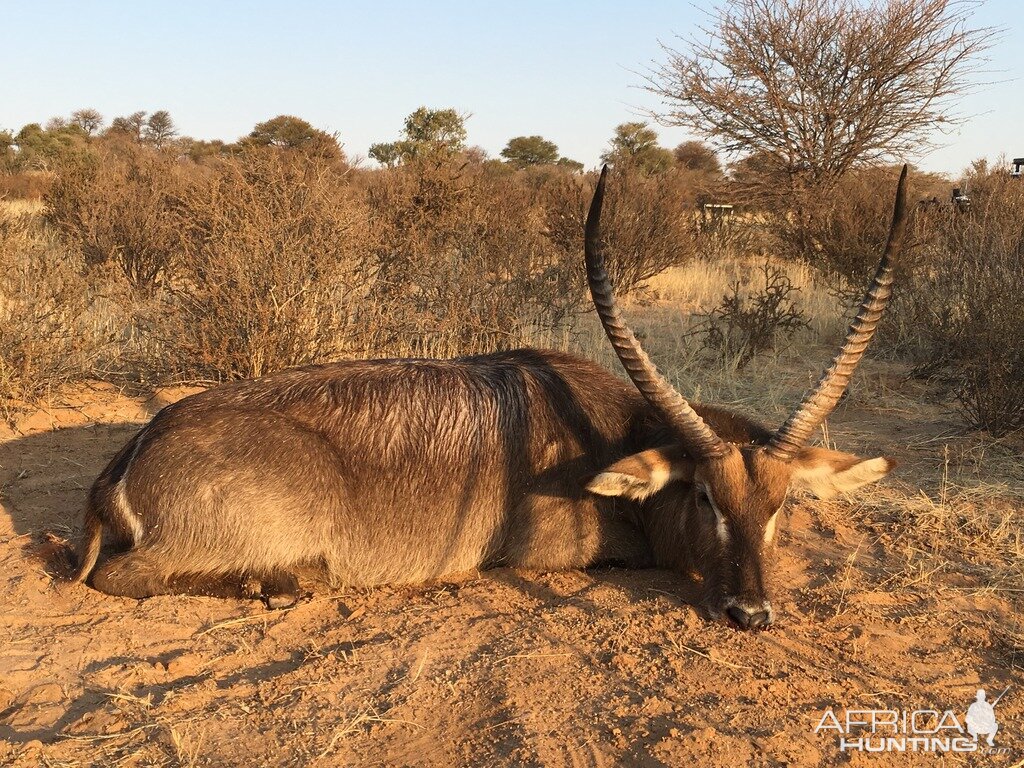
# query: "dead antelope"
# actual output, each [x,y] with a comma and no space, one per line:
[399,471]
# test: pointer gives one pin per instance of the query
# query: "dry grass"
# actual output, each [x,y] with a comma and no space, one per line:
[20,207]
[666,316]
[52,329]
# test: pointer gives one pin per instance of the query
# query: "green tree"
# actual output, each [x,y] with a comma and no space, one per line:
[41,149]
[8,156]
[572,165]
[523,151]
[160,128]
[432,131]
[636,145]
[294,133]
[388,154]
[199,149]
[427,133]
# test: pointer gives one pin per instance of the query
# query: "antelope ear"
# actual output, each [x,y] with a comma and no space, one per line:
[642,474]
[826,473]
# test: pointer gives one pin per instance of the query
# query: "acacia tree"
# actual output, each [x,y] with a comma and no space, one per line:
[160,128]
[388,154]
[89,120]
[817,86]
[427,133]
[133,125]
[434,131]
[697,156]
[294,133]
[636,145]
[522,151]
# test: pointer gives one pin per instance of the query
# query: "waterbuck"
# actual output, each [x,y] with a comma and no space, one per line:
[401,471]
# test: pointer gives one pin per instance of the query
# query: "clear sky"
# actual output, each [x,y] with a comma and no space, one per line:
[567,71]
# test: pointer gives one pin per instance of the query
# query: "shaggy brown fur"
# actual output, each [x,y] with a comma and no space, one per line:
[399,471]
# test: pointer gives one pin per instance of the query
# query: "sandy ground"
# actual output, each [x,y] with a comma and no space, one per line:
[596,668]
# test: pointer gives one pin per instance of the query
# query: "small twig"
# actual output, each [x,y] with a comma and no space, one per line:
[106,736]
[529,656]
[236,622]
[846,575]
[711,658]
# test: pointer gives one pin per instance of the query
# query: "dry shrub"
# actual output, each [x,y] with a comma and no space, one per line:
[266,259]
[24,185]
[461,263]
[46,336]
[961,313]
[842,231]
[113,206]
[648,222]
[268,269]
[748,322]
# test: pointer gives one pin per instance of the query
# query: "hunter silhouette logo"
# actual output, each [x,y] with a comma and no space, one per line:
[918,730]
[981,717]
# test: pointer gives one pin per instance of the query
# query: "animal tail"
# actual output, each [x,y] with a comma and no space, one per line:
[108,508]
[89,546]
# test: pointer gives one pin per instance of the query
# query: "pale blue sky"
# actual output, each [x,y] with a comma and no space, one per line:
[562,70]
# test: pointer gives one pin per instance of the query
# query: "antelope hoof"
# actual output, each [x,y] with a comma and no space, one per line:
[280,590]
[276,602]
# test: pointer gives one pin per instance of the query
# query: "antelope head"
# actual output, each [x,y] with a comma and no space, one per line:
[725,495]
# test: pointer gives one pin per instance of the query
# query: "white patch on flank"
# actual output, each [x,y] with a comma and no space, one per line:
[124,511]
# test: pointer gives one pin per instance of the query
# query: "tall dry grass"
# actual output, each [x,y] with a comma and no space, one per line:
[49,328]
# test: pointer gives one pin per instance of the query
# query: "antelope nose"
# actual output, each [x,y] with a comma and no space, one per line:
[748,619]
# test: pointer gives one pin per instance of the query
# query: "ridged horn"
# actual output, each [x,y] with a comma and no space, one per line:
[819,403]
[698,437]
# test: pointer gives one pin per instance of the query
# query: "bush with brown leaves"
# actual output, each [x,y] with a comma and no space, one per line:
[961,313]
[48,335]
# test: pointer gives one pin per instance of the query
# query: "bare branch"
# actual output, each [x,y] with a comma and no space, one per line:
[816,87]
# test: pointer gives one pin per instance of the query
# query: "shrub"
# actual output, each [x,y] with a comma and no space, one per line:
[112,205]
[842,232]
[47,336]
[267,258]
[461,264]
[747,323]
[268,269]
[959,314]
[649,223]
[24,185]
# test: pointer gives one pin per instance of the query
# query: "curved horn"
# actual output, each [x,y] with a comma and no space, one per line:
[697,435]
[817,405]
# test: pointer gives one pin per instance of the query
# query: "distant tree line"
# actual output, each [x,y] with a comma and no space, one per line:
[438,134]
